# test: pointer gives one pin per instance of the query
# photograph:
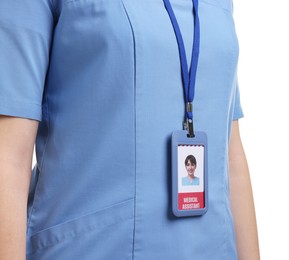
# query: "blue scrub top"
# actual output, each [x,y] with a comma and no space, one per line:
[103,77]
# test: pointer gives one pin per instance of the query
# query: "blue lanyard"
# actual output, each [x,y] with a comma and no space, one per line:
[188,77]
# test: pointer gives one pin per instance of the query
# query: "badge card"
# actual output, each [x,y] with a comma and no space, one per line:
[189,178]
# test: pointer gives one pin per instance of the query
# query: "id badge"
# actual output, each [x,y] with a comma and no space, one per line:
[189,174]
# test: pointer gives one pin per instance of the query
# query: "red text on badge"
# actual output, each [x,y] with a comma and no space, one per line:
[191,200]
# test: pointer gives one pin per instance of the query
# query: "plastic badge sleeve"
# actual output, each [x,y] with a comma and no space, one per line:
[189,174]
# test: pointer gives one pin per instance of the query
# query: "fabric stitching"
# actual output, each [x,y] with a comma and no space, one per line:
[83,216]
[39,177]
[84,232]
[17,27]
[21,101]
[54,9]
[46,142]
[216,5]
[131,27]
[71,1]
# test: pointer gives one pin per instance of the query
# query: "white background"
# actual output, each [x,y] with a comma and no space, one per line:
[263,30]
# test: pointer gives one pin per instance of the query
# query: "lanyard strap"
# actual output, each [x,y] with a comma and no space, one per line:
[188,77]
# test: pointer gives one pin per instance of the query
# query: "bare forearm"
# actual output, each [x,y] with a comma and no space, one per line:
[17,137]
[244,216]
[13,213]
[242,203]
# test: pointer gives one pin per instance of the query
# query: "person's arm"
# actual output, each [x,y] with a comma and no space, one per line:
[17,137]
[242,203]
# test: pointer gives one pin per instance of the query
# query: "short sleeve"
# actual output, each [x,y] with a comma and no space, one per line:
[26,29]
[236,105]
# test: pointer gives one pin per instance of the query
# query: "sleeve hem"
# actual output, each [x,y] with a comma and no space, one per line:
[238,113]
[21,109]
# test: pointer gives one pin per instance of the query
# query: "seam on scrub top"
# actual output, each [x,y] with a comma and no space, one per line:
[226,189]
[48,132]
[80,234]
[20,101]
[226,193]
[229,224]
[40,164]
[54,12]
[70,1]
[20,28]
[77,236]
[217,6]
[225,229]
[134,59]
[82,216]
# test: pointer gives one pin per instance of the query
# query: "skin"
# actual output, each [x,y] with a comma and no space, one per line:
[242,203]
[190,167]
[16,150]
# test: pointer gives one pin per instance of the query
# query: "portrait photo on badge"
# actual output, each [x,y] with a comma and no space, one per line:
[190,176]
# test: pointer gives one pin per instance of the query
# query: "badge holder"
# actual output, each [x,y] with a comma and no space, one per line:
[189,174]
[189,148]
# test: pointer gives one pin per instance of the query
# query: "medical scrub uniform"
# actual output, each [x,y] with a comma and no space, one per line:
[103,78]
[187,181]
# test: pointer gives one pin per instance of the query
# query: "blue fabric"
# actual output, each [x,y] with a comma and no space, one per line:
[186,181]
[103,76]
[189,77]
